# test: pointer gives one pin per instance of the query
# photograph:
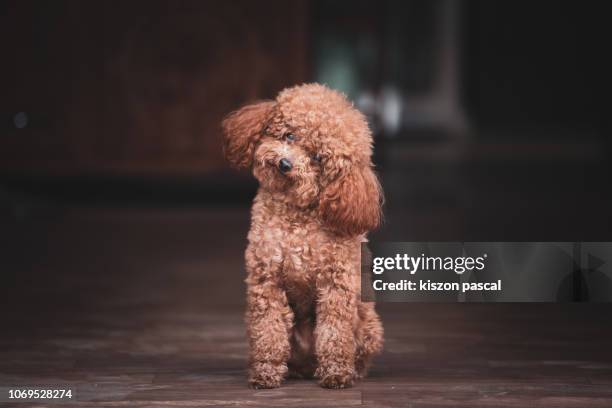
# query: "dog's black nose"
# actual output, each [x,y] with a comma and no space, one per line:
[284,165]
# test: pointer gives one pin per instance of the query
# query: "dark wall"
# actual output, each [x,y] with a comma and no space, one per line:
[138,86]
[535,63]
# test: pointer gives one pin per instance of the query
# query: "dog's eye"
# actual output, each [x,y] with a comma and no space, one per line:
[317,157]
[290,137]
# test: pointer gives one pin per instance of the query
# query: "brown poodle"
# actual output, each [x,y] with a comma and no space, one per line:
[310,150]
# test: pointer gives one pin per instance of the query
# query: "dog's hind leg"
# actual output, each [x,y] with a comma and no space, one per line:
[368,336]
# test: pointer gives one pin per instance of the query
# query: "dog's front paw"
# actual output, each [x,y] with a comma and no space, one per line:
[266,375]
[336,381]
[336,378]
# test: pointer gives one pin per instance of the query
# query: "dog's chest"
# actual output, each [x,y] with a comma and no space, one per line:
[300,265]
[299,252]
[292,246]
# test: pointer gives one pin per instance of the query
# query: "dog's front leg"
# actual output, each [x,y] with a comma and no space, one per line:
[269,320]
[335,342]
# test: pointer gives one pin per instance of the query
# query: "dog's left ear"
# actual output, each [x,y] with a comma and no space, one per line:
[241,131]
[351,204]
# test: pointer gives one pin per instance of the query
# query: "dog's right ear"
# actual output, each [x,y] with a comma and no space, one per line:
[241,131]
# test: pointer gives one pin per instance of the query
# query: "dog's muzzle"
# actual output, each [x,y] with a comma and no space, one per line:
[284,166]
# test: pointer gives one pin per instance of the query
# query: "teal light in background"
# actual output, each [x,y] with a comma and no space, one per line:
[336,66]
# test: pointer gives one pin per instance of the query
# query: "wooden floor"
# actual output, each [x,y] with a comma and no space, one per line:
[143,308]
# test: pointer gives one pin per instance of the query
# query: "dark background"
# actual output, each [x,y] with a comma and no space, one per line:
[122,227]
[487,115]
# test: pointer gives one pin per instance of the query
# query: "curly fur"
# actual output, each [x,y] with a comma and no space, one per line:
[304,314]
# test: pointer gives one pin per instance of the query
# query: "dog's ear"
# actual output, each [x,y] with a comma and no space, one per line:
[241,131]
[351,204]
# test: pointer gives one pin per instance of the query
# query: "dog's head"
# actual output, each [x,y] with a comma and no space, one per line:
[313,146]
